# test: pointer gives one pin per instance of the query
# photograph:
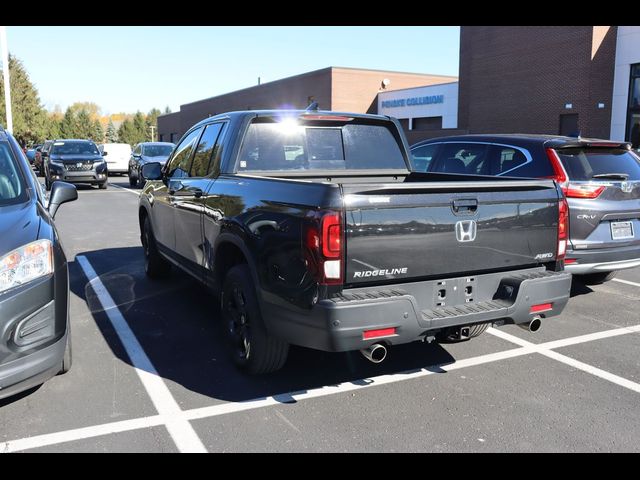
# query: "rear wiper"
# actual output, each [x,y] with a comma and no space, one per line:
[615,176]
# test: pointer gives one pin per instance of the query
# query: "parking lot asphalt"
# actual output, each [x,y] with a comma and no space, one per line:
[151,373]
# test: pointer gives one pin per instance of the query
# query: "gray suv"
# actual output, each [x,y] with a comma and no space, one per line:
[600,178]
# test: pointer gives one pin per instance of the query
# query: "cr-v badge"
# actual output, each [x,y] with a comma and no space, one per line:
[466,230]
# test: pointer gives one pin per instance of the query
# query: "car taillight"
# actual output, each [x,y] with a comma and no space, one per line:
[324,242]
[560,175]
[563,228]
[571,190]
[577,190]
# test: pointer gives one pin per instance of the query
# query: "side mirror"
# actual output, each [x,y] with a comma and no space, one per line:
[152,171]
[104,154]
[44,154]
[137,155]
[61,192]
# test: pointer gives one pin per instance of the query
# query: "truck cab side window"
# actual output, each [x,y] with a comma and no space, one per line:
[205,150]
[180,164]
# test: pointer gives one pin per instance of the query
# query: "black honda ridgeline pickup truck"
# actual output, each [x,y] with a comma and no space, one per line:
[315,232]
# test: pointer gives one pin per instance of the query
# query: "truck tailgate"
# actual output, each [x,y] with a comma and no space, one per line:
[446,229]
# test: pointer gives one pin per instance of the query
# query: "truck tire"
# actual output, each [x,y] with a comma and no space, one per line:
[155,266]
[253,350]
[596,278]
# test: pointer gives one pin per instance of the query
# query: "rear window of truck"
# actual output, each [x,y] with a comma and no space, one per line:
[589,163]
[289,145]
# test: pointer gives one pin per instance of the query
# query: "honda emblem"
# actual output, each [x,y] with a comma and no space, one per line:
[79,164]
[466,230]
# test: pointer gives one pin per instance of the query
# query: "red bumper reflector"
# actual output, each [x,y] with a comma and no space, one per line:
[568,261]
[543,307]
[384,332]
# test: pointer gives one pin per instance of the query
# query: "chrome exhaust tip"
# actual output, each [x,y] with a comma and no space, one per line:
[533,326]
[376,353]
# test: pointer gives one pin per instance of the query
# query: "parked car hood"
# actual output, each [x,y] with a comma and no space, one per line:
[19,225]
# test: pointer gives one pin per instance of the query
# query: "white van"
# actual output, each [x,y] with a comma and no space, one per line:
[117,158]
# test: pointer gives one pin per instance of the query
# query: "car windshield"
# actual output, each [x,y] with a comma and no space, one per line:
[75,148]
[157,150]
[12,187]
[320,146]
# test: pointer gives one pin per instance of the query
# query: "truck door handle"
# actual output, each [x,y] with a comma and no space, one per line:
[469,205]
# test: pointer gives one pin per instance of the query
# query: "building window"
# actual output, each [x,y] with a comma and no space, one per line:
[569,125]
[161,139]
[427,123]
[633,117]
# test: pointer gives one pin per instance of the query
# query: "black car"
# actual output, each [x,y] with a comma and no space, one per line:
[75,161]
[600,179]
[147,152]
[35,341]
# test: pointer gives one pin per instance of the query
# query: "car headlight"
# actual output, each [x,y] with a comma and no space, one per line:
[56,162]
[99,162]
[24,264]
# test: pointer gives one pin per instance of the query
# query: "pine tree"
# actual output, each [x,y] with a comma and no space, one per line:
[112,134]
[68,125]
[126,132]
[140,127]
[98,132]
[167,110]
[29,117]
[84,125]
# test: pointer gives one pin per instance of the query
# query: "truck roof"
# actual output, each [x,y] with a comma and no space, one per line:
[284,112]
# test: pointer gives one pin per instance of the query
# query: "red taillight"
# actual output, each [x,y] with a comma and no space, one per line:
[563,228]
[560,175]
[571,190]
[577,190]
[324,244]
[568,261]
[331,233]
[383,332]
[543,307]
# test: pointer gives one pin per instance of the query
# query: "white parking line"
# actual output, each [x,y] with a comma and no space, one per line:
[620,280]
[293,397]
[81,433]
[545,350]
[124,188]
[180,430]
[226,408]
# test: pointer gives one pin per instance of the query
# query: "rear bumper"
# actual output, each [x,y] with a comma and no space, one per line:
[338,324]
[603,259]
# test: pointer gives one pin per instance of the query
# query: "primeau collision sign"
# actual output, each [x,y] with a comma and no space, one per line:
[411,101]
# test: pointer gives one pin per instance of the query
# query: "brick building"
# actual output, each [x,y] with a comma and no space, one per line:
[513,79]
[334,88]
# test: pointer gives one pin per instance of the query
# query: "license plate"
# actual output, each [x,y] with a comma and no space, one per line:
[620,230]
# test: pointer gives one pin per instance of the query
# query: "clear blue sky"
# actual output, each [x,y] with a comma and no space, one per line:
[124,69]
